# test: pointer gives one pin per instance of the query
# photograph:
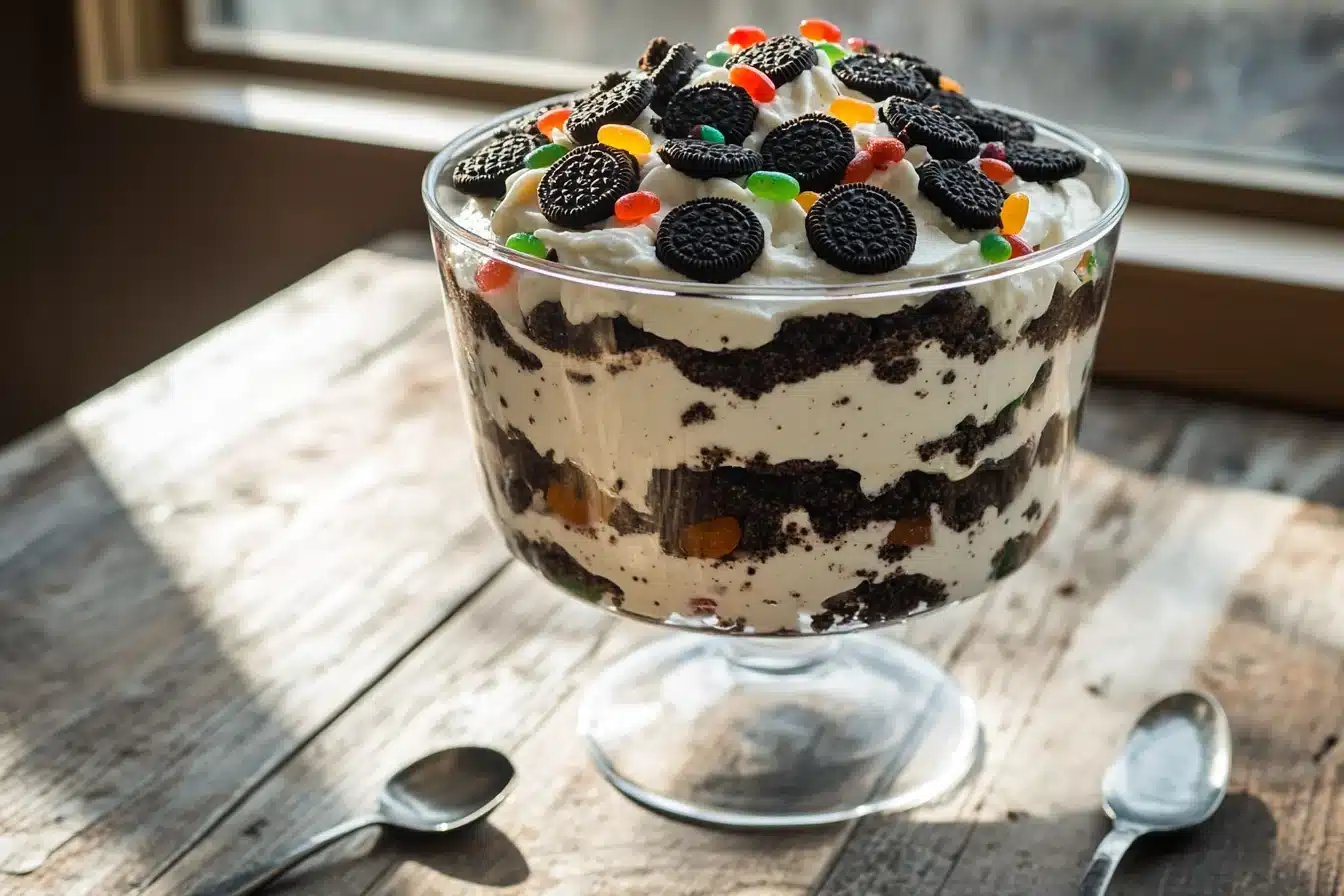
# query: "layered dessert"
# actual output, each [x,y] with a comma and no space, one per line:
[753,339]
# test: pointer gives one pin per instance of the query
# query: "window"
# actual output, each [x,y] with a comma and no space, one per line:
[1261,81]
[1227,114]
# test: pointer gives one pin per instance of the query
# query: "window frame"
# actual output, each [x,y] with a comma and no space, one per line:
[136,54]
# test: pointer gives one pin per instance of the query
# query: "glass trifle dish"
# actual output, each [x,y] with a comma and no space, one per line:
[776,342]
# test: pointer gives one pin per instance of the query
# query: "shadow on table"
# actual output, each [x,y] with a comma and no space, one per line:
[481,855]
[1022,855]
[126,726]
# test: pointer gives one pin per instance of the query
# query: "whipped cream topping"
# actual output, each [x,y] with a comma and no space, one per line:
[1057,212]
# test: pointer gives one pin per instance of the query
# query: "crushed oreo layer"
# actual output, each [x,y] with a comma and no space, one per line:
[971,436]
[803,348]
[886,600]
[558,565]
[759,496]
[1076,313]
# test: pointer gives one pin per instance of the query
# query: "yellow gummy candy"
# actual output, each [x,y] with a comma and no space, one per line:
[622,136]
[1014,213]
[852,111]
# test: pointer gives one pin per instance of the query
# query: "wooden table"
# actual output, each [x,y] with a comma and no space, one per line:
[240,588]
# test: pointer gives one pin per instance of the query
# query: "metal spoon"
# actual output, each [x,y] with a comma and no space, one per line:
[441,792]
[1171,774]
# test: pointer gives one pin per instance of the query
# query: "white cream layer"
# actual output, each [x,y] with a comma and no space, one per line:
[622,426]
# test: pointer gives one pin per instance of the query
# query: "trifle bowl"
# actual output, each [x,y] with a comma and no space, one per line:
[766,345]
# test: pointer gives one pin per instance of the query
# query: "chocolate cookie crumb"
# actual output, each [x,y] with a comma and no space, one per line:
[583,379]
[484,322]
[894,553]
[558,565]
[874,603]
[697,413]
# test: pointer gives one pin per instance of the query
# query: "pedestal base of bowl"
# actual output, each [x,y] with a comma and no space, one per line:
[763,733]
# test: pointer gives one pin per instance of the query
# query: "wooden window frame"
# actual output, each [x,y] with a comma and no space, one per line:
[1187,311]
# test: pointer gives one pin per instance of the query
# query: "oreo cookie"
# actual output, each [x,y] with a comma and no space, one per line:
[814,149]
[919,125]
[991,124]
[485,171]
[950,102]
[702,159]
[781,59]
[724,106]
[610,80]
[879,77]
[582,188]
[861,229]
[710,240]
[1042,164]
[930,73]
[672,73]
[620,103]
[961,192]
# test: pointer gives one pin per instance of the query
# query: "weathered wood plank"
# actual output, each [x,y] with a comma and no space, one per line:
[214,579]
[1147,633]
[174,626]
[1277,662]
[181,412]
[572,830]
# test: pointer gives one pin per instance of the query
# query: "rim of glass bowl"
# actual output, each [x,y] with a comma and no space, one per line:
[1109,168]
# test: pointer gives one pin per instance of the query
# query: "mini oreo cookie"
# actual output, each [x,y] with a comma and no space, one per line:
[711,240]
[672,73]
[485,171]
[861,229]
[619,104]
[815,149]
[582,188]
[961,192]
[879,77]
[703,160]
[610,80]
[931,73]
[918,125]
[781,59]
[993,125]
[949,102]
[1042,164]
[727,107]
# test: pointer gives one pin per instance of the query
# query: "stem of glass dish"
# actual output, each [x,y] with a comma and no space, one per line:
[779,656]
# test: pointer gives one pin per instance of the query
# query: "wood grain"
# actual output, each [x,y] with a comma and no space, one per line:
[239,590]
[183,604]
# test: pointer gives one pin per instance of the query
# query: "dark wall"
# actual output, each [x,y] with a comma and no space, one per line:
[126,235]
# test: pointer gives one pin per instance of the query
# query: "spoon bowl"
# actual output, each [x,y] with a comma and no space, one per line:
[438,793]
[447,790]
[1172,773]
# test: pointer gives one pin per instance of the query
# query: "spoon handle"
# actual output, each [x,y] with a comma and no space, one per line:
[253,880]
[1106,859]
